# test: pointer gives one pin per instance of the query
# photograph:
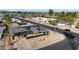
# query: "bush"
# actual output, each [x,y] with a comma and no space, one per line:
[54,22]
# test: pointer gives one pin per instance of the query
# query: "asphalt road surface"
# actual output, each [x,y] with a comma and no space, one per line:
[72,39]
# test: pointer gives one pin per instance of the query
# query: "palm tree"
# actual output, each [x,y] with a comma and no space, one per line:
[6,35]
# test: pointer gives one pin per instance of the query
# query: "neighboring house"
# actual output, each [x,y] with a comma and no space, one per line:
[16,20]
[25,24]
[45,21]
[73,26]
[63,23]
[51,19]
[41,20]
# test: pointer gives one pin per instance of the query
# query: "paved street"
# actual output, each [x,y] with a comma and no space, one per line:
[62,45]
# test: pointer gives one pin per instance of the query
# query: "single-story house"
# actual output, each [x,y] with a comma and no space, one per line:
[73,26]
[63,23]
[25,24]
[51,19]
[41,20]
[45,20]
[16,20]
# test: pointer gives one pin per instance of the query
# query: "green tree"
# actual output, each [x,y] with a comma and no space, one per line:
[74,14]
[54,22]
[62,13]
[68,16]
[7,19]
[78,24]
[51,12]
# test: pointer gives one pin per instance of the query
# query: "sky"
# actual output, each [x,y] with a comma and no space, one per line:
[39,5]
[39,10]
